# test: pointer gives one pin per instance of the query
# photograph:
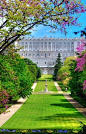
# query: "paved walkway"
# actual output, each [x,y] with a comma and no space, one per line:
[78,106]
[34,86]
[10,111]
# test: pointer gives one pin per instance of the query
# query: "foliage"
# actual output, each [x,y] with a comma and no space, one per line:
[80,100]
[63,72]
[66,81]
[82,32]
[81,61]
[33,71]
[56,14]
[28,61]
[57,66]
[62,86]
[76,83]
[36,71]
[68,60]
[15,78]
[22,72]
[4,98]
[9,80]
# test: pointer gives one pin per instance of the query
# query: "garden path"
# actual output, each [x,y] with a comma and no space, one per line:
[78,106]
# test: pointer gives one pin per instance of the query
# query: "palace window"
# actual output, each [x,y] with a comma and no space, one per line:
[34,47]
[53,42]
[49,47]
[45,46]
[53,47]
[22,43]
[38,55]
[29,54]
[30,48]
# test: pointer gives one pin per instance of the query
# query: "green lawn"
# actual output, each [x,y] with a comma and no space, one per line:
[42,111]
[49,77]
[41,86]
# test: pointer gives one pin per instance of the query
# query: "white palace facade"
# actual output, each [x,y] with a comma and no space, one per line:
[44,51]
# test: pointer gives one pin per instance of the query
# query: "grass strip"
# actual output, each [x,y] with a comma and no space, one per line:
[41,86]
[49,77]
[45,112]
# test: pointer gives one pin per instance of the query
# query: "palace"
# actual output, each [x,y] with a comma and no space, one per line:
[44,51]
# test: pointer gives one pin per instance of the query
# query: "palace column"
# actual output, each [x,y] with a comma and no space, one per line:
[32,46]
[51,46]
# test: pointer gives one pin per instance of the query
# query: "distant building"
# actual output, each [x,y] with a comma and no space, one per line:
[44,51]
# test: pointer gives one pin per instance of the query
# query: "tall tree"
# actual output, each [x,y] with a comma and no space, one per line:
[57,66]
[18,17]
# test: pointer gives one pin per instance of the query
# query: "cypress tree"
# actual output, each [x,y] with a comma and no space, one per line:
[57,66]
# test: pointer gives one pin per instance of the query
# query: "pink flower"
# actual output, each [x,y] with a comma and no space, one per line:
[84,85]
[6,107]
[81,63]
[80,48]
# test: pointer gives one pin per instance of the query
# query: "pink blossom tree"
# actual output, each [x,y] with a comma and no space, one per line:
[81,59]
[18,18]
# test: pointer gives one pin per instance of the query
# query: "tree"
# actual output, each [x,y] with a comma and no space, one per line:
[82,32]
[78,72]
[38,70]
[75,83]
[18,17]
[57,66]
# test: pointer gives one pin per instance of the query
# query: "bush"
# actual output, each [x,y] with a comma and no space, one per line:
[15,78]
[34,69]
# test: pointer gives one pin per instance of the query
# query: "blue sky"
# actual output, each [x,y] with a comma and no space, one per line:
[42,31]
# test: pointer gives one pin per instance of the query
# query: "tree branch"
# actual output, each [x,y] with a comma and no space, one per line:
[3,24]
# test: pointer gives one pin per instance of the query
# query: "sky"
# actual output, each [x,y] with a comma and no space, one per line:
[42,31]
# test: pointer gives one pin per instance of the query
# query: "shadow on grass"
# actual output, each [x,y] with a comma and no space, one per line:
[62,117]
[57,95]
[65,105]
[63,100]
